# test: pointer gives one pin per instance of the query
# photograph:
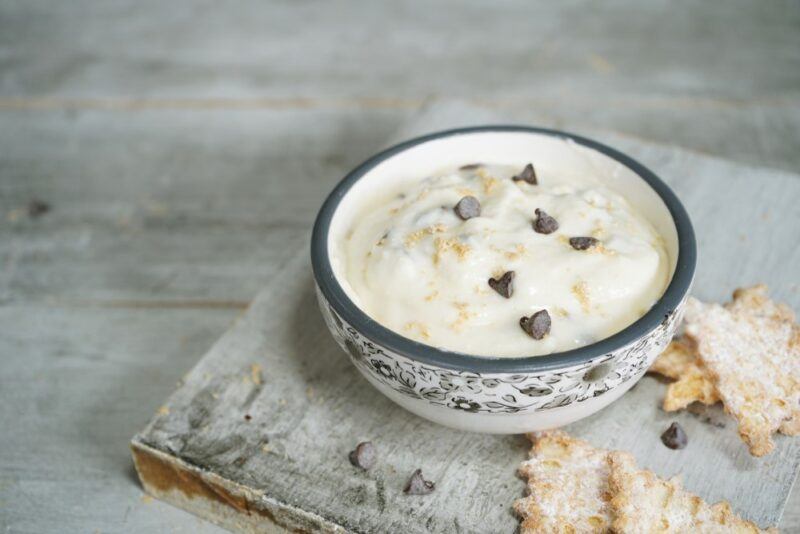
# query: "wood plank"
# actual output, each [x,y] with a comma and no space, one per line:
[679,90]
[179,207]
[310,407]
[73,383]
[309,50]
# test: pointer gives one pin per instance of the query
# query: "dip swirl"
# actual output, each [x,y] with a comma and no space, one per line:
[419,260]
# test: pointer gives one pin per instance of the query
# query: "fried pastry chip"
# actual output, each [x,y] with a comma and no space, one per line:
[693,383]
[751,350]
[644,503]
[567,484]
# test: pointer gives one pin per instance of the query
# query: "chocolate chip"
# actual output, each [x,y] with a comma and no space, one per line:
[503,285]
[417,485]
[37,208]
[363,455]
[468,207]
[537,325]
[544,224]
[582,243]
[470,167]
[527,175]
[247,417]
[674,437]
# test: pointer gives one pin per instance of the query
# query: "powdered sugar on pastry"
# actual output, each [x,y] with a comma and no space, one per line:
[643,503]
[567,484]
[751,348]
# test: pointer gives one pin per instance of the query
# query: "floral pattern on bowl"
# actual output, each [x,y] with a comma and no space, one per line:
[497,392]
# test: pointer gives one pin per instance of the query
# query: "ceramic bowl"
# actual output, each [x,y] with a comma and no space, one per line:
[491,394]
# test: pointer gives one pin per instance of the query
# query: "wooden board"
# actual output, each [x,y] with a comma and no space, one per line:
[570,62]
[285,467]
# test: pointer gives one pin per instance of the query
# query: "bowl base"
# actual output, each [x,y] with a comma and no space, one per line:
[515,423]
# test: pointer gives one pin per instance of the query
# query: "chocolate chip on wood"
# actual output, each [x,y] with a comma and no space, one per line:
[674,437]
[37,208]
[363,455]
[417,485]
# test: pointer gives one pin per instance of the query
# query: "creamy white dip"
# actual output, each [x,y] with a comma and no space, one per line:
[417,267]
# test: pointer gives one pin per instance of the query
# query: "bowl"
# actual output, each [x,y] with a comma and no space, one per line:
[500,394]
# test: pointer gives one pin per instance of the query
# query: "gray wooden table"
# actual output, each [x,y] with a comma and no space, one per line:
[181,146]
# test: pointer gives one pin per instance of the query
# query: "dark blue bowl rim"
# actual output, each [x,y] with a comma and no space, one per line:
[676,290]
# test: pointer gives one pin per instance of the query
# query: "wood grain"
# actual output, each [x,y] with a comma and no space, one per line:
[406,49]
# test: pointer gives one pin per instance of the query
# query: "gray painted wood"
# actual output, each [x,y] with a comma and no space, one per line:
[310,406]
[405,50]
[659,70]
[184,147]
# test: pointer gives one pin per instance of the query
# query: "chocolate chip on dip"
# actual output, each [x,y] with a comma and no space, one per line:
[363,455]
[544,223]
[537,325]
[417,485]
[452,230]
[674,437]
[504,285]
[583,243]
[527,175]
[470,167]
[468,207]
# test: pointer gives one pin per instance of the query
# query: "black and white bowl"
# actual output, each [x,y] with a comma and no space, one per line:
[501,394]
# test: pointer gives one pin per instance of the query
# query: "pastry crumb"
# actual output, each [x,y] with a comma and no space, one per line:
[419,327]
[581,292]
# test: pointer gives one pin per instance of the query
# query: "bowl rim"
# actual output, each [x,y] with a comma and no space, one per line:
[337,298]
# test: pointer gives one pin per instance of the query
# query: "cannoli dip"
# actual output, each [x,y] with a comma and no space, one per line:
[503,261]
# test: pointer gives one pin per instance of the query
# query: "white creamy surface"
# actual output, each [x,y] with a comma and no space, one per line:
[417,268]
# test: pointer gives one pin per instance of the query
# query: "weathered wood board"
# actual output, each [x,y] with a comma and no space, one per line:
[286,466]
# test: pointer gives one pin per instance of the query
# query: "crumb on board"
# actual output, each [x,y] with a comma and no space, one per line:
[163,410]
[255,373]
[601,64]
